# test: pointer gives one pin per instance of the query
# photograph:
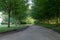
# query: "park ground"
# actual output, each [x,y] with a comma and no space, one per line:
[32,33]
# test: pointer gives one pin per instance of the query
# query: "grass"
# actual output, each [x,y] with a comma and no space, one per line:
[52,26]
[4,28]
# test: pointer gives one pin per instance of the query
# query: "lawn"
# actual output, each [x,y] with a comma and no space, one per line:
[52,26]
[4,28]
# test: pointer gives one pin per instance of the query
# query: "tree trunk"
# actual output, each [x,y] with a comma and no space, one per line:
[57,16]
[15,22]
[9,19]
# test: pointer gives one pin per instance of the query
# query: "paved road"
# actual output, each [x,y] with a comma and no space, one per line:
[32,33]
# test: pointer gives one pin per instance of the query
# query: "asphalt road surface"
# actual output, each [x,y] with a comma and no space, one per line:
[32,33]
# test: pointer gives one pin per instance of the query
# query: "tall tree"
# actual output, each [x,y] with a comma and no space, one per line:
[6,5]
[16,7]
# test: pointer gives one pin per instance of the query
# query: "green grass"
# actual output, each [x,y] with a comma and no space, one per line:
[4,28]
[52,26]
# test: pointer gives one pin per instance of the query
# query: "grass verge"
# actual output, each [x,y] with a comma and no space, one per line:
[52,26]
[4,29]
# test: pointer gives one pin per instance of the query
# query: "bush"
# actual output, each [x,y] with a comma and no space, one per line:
[4,23]
[23,22]
[37,22]
[58,25]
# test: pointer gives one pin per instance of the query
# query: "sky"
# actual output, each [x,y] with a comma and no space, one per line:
[1,19]
[30,3]
[0,13]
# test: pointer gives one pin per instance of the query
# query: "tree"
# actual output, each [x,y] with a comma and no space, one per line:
[46,9]
[6,5]
[19,10]
[16,7]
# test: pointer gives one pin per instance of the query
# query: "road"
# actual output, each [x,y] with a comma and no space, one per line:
[32,33]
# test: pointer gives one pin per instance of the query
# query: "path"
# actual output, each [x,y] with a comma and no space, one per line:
[32,33]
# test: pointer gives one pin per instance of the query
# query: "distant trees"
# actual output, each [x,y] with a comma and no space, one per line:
[46,10]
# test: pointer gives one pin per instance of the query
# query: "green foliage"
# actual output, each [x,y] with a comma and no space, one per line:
[46,9]
[52,26]
[5,5]
[14,8]
[37,22]
[19,10]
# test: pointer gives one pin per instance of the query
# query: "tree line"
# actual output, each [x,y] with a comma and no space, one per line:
[45,10]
